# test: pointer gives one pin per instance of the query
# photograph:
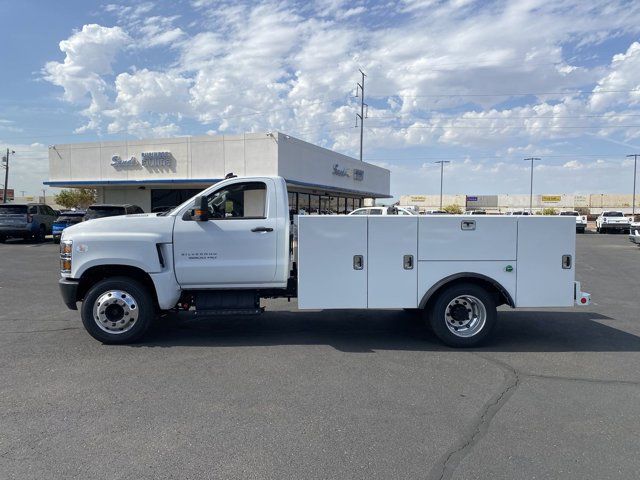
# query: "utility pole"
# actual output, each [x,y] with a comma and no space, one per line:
[531,159]
[6,174]
[361,115]
[441,162]
[633,201]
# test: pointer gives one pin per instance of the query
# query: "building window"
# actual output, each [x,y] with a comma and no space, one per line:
[314,204]
[303,202]
[324,205]
[342,205]
[333,204]
[293,203]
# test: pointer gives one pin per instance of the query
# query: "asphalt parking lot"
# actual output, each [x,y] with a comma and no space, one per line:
[338,395]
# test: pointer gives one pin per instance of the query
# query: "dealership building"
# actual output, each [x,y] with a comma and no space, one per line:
[157,173]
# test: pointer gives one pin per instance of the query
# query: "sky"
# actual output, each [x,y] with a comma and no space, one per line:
[482,84]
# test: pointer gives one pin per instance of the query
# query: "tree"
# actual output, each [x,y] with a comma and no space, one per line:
[76,197]
[453,208]
[549,211]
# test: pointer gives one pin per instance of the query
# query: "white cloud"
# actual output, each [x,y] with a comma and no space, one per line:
[268,65]
[89,56]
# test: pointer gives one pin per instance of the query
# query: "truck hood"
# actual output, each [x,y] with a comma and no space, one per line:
[147,225]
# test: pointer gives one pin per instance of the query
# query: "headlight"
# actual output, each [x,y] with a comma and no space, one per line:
[66,248]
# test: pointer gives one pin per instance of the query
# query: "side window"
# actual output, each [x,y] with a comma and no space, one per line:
[33,210]
[240,200]
[359,212]
[50,211]
[375,211]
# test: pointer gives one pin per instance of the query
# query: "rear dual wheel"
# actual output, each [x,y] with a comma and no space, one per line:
[463,315]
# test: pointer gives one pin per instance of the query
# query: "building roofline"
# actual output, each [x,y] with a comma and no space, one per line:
[115,183]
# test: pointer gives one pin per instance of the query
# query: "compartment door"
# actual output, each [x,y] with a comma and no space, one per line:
[329,274]
[393,261]
[541,279]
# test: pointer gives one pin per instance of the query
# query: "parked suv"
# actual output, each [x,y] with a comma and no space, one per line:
[110,210]
[26,221]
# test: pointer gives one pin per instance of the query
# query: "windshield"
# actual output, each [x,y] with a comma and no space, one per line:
[569,214]
[13,209]
[613,214]
[70,218]
[100,212]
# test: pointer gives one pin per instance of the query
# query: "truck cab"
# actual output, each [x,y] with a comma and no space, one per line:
[224,250]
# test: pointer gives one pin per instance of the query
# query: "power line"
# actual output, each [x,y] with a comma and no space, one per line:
[521,94]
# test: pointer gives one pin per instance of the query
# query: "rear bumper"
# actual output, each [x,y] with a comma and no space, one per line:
[7,231]
[615,226]
[69,292]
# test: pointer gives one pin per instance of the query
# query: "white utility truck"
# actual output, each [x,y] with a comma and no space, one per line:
[222,251]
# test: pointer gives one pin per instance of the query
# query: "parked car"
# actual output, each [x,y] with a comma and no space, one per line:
[66,219]
[475,212]
[435,212]
[581,220]
[381,211]
[110,210]
[26,221]
[162,209]
[613,221]
[519,212]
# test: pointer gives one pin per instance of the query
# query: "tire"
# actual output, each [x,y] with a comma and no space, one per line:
[464,308]
[127,299]
[42,234]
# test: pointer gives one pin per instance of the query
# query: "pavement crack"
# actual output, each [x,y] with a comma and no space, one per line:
[604,381]
[448,463]
[45,330]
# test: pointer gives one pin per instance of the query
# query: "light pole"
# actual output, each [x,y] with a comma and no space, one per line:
[531,159]
[633,201]
[441,162]
[5,160]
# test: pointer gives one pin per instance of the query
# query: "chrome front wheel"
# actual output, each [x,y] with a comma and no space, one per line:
[115,311]
[118,310]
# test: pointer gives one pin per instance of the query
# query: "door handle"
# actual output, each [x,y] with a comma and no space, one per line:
[358,262]
[262,229]
[407,262]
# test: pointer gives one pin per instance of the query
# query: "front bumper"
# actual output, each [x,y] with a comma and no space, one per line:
[69,292]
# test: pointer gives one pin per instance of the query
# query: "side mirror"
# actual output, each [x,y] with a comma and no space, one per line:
[200,210]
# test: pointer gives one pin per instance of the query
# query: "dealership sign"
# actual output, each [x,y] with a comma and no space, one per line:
[147,159]
[551,198]
[355,173]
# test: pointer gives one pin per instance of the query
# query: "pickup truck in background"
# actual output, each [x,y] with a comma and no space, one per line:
[613,221]
[223,251]
[581,220]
